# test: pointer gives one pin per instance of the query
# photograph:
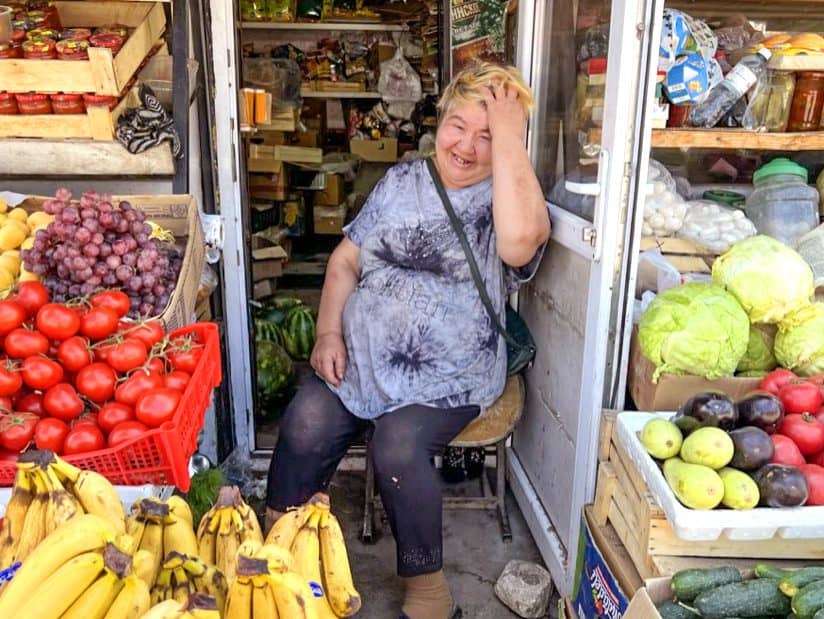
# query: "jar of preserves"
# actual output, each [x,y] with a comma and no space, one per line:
[39,49]
[808,101]
[42,33]
[109,40]
[118,29]
[72,49]
[33,103]
[770,108]
[63,103]
[10,50]
[18,35]
[75,34]
[92,100]
[8,104]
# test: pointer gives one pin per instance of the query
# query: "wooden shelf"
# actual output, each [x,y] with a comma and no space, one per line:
[372,26]
[732,139]
[307,93]
[82,158]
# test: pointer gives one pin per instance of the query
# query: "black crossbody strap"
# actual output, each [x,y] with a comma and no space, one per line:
[470,258]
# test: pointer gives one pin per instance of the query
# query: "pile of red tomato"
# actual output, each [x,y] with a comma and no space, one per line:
[799,440]
[79,377]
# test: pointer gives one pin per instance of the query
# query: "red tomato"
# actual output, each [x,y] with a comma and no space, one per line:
[17,430]
[806,432]
[115,300]
[62,401]
[816,458]
[98,323]
[32,403]
[10,379]
[127,355]
[112,413]
[157,407]
[96,382]
[155,364]
[185,358]
[136,385]
[149,332]
[126,431]
[800,396]
[86,419]
[82,439]
[12,315]
[6,403]
[786,451]
[74,353]
[22,343]
[41,372]
[32,296]
[176,379]
[773,381]
[814,474]
[102,350]
[56,321]
[50,433]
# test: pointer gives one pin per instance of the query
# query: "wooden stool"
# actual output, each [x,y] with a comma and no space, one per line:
[492,427]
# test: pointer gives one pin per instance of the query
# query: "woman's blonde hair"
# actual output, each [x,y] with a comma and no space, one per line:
[469,85]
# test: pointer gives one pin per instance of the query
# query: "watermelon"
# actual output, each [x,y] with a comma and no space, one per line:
[274,372]
[266,330]
[275,309]
[298,330]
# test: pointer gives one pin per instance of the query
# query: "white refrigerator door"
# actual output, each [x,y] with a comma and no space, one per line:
[589,146]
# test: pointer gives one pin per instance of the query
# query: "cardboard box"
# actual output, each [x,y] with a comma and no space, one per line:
[267,262]
[271,186]
[329,219]
[264,288]
[333,194]
[655,591]
[309,139]
[684,255]
[671,391]
[383,149]
[292,154]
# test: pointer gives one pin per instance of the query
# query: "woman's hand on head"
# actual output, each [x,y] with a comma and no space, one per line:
[505,114]
[329,357]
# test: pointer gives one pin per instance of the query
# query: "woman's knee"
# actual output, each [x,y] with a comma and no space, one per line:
[303,430]
[396,455]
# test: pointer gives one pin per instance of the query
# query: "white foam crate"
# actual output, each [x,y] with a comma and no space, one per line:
[128,495]
[711,524]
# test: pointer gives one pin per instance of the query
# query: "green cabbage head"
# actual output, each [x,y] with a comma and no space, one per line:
[697,328]
[759,356]
[799,344]
[769,279]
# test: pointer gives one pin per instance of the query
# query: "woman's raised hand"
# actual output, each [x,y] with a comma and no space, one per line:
[505,114]
[329,357]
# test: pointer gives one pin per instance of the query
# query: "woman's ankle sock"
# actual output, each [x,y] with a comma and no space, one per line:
[427,597]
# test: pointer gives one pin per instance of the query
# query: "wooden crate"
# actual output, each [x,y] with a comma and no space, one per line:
[102,73]
[98,123]
[623,499]
[684,255]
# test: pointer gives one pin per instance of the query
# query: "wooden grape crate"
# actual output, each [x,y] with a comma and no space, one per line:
[623,499]
[102,73]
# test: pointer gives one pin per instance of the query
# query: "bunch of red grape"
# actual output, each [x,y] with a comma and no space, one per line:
[93,244]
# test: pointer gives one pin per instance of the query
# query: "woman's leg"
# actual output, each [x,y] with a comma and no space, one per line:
[314,434]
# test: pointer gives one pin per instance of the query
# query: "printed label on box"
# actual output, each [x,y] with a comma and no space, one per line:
[597,593]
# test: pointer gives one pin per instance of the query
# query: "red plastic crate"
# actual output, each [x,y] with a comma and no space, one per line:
[161,455]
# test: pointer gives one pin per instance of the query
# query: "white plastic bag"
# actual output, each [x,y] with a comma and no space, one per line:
[398,80]
[664,209]
[714,226]
[655,272]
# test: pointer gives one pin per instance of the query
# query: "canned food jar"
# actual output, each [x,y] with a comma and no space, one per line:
[18,35]
[39,49]
[91,100]
[75,34]
[72,49]
[108,40]
[10,50]
[8,104]
[63,103]
[119,29]
[33,103]
[808,102]
[42,33]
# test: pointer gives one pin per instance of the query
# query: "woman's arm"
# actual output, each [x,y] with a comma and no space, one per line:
[342,273]
[518,208]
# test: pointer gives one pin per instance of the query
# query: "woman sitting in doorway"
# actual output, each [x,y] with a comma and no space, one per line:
[403,340]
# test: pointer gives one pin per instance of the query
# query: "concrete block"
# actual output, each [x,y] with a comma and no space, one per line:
[525,588]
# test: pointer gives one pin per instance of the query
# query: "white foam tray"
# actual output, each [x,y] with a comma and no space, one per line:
[711,524]
[128,495]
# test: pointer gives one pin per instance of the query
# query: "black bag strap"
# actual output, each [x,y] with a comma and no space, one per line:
[470,258]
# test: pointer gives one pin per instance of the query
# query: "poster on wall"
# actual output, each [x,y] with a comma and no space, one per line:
[476,31]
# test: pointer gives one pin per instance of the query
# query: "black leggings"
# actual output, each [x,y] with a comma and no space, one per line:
[315,432]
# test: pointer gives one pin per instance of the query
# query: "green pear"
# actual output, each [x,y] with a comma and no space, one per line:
[709,446]
[740,490]
[661,438]
[695,485]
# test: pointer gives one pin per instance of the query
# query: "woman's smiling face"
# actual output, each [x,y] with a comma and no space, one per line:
[463,146]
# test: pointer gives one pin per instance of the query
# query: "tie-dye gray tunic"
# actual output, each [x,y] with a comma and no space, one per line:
[415,329]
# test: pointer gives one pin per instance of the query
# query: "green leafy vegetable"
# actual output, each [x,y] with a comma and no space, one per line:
[759,355]
[799,344]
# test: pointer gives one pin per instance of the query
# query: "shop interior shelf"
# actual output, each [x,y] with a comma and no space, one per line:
[730,139]
[260,25]
[332,94]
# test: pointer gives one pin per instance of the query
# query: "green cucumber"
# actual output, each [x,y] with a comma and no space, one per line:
[687,584]
[674,610]
[751,598]
[809,599]
[764,570]
[791,583]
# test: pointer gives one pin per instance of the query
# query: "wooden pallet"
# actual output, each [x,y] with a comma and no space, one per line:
[622,498]
[102,73]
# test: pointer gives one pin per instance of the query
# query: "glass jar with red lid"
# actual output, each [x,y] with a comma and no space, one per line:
[808,101]
[39,49]
[44,15]
[10,50]
[120,29]
[33,103]
[66,103]
[8,104]
[72,49]
[42,33]
[108,40]
[91,100]
[75,34]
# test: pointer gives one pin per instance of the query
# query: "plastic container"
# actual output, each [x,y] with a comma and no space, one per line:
[39,49]
[68,104]
[33,103]
[161,455]
[807,102]
[72,49]
[75,34]
[91,100]
[782,205]
[8,104]
[108,40]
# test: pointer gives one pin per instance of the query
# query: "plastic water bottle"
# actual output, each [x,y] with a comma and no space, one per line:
[735,85]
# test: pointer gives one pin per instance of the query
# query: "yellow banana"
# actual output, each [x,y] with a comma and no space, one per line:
[82,534]
[194,565]
[62,505]
[143,567]
[202,606]
[179,536]
[213,583]
[239,601]
[152,541]
[95,601]
[306,550]
[263,603]
[22,494]
[95,493]
[292,596]
[249,547]
[226,555]
[34,526]
[206,541]
[280,559]
[181,586]
[162,589]
[337,575]
[167,609]
[132,601]
[283,532]
[58,591]
[135,526]
[251,524]
[180,508]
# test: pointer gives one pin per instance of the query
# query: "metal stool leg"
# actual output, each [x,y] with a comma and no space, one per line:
[500,489]
[369,501]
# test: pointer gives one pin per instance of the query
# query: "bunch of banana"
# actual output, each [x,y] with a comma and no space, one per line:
[197,606]
[313,535]
[228,524]
[181,576]
[79,570]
